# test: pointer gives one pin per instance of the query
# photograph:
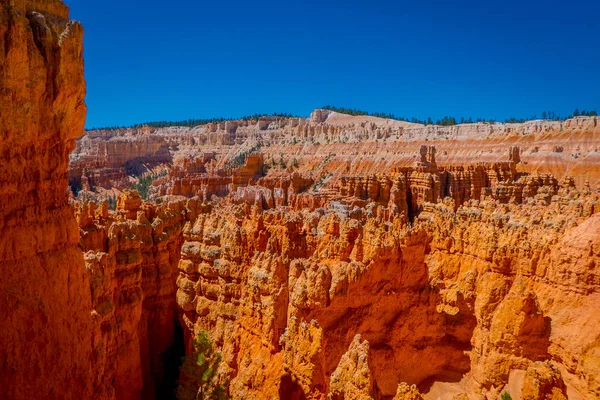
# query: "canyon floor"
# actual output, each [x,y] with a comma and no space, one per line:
[328,257]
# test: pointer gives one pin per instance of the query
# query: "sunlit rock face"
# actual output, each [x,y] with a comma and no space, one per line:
[337,144]
[332,257]
[46,337]
[131,256]
[478,287]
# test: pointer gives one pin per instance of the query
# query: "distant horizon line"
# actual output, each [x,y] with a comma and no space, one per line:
[445,121]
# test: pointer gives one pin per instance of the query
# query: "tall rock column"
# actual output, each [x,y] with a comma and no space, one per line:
[45,302]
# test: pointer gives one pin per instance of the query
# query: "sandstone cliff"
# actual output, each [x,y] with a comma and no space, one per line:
[131,256]
[333,257]
[470,288]
[339,144]
[459,265]
[45,340]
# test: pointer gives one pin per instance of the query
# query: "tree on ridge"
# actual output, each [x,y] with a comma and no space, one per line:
[199,372]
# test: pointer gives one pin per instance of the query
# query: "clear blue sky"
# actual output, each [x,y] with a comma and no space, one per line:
[180,59]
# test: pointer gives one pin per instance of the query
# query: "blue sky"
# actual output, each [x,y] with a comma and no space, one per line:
[157,60]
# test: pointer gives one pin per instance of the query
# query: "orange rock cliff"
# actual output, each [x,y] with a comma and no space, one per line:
[330,257]
[46,336]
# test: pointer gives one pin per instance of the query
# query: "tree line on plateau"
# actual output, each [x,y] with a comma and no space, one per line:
[445,121]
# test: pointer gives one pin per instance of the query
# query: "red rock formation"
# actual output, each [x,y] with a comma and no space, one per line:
[406,392]
[543,382]
[358,145]
[45,340]
[312,284]
[252,169]
[386,190]
[457,290]
[105,178]
[303,361]
[188,182]
[352,378]
[131,256]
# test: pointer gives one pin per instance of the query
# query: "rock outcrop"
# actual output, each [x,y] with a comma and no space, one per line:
[352,378]
[131,256]
[468,288]
[333,257]
[338,144]
[406,392]
[543,382]
[45,303]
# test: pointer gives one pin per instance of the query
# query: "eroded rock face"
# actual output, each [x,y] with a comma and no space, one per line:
[131,256]
[543,381]
[472,289]
[406,392]
[347,260]
[45,342]
[329,143]
[352,378]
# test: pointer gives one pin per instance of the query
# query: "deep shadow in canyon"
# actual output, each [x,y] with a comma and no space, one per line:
[172,360]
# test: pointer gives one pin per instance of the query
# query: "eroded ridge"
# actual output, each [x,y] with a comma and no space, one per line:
[330,257]
[343,290]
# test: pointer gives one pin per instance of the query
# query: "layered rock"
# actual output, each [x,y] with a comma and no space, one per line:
[511,253]
[406,392]
[407,189]
[365,263]
[303,361]
[357,145]
[543,382]
[352,378]
[131,256]
[45,342]
[103,160]
[467,288]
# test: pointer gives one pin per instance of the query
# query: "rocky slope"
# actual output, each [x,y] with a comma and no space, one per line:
[329,142]
[477,291]
[333,257]
[92,324]
[131,256]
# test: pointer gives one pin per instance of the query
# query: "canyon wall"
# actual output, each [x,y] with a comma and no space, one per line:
[45,302]
[466,295]
[131,256]
[72,328]
[334,270]
[332,257]
[338,144]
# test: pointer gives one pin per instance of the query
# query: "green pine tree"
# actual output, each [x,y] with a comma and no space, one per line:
[505,396]
[198,373]
[112,203]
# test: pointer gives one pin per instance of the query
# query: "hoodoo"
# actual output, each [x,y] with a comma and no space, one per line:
[330,257]
[334,270]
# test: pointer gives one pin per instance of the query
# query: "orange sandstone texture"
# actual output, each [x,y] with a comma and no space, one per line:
[46,348]
[350,260]
[131,256]
[543,382]
[92,325]
[468,291]
[338,144]
[352,378]
[406,392]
